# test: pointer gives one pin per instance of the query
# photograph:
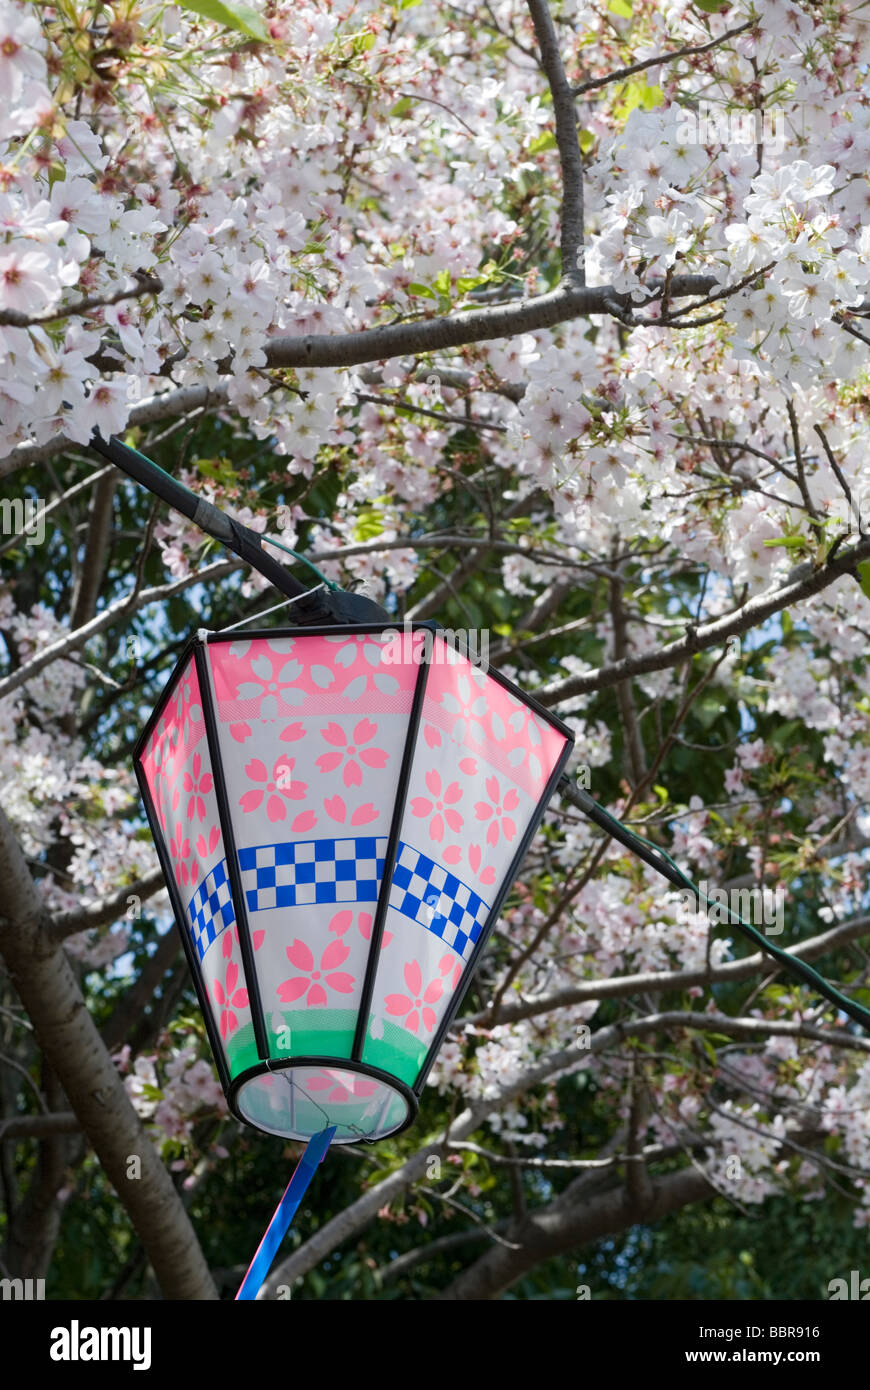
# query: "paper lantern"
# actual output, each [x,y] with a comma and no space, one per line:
[340,813]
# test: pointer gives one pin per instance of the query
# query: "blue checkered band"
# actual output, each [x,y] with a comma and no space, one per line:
[437,900]
[313,871]
[210,910]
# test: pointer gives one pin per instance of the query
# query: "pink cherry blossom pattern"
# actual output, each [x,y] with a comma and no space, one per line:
[414,1008]
[342,921]
[340,1092]
[448,964]
[336,808]
[197,785]
[441,806]
[205,847]
[281,784]
[494,811]
[292,732]
[475,858]
[307,984]
[179,847]
[230,998]
[270,678]
[232,935]
[467,705]
[355,754]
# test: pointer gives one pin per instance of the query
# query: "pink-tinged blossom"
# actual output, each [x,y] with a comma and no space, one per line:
[21,44]
[107,408]
[26,280]
[309,983]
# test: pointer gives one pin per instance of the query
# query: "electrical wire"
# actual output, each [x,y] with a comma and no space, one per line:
[662,862]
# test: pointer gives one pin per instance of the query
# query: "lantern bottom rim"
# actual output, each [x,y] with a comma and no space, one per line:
[298,1097]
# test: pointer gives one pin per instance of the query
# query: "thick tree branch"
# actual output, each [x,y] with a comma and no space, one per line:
[45,982]
[148,284]
[104,910]
[554,1229]
[372,345]
[366,1207]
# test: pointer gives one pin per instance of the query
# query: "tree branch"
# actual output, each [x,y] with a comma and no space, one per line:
[104,910]
[49,991]
[620,74]
[38,1126]
[656,982]
[115,613]
[366,1207]
[714,634]
[567,140]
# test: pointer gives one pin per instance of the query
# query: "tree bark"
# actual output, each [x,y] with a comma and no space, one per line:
[45,982]
[560,1227]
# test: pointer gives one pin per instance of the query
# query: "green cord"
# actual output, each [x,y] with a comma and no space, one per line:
[152,464]
[280,544]
[793,964]
[305,561]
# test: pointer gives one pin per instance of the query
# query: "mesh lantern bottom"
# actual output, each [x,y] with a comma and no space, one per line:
[339,815]
[299,1098]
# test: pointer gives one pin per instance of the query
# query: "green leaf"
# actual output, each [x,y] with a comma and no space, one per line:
[402,107]
[239,17]
[470,282]
[712,6]
[791,542]
[864,576]
[545,141]
[620,7]
[421,290]
[639,92]
[369,525]
[442,282]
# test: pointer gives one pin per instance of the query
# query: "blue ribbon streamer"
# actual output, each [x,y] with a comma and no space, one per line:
[315,1151]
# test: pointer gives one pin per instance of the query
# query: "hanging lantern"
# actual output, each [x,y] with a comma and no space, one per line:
[339,813]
